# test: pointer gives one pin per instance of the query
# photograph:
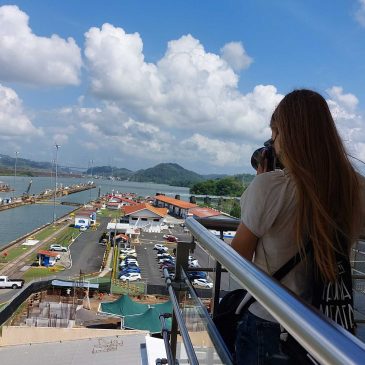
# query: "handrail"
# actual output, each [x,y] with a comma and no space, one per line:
[183,330]
[218,224]
[327,343]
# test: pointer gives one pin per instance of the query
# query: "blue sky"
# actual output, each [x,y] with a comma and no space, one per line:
[135,83]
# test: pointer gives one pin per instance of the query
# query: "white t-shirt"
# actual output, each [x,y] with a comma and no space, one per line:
[268,210]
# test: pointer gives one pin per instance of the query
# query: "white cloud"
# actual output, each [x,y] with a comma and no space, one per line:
[13,120]
[349,121]
[28,58]
[360,13]
[217,152]
[187,89]
[348,101]
[235,55]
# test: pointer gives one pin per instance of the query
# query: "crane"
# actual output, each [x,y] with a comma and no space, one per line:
[26,194]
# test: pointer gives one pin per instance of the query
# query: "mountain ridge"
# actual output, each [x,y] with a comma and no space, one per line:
[163,173]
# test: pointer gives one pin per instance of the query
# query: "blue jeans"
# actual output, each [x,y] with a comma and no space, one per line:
[258,342]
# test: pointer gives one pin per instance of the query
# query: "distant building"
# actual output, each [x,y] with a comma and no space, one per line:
[85,218]
[47,258]
[117,202]
[175,207]
[204,212]
[144,216]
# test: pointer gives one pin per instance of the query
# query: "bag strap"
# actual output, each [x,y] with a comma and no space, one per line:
[278,275]
[291,263]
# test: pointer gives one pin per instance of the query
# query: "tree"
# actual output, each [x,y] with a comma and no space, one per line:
[235,209]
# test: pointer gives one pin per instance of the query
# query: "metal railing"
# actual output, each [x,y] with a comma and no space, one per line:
[327,343]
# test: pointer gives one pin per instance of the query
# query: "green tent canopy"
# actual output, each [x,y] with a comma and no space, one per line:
[163,307]
[124,306]
[148,321]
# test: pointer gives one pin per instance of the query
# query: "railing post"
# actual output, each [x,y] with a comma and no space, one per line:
[182,261]
[217,281]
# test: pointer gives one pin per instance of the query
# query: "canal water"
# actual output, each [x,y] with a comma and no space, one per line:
[19,221]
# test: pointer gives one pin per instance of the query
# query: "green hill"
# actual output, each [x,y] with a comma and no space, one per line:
[167,173]
[107,171]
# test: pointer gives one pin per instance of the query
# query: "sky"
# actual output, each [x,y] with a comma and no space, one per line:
[133,83]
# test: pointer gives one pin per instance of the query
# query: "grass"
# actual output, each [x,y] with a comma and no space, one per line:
[110,213]
[133,288]
[46,232]
[40,272]
[13,253]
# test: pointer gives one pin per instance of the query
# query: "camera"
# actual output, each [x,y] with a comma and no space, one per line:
[265,153]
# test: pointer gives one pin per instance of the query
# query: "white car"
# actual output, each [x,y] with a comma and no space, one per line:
[83,228]
[203,283]
[123,256]
[125,263]
[194,263]
[160,247]
[132,276]
[127,250]
[58,248]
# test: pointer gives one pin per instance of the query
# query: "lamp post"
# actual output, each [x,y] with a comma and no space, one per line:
[55,187]
[91,166]
[15,163]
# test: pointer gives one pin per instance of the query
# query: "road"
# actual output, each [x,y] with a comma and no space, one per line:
[86,253]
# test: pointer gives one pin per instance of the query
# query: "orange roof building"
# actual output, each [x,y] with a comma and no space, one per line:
[128,210]
[204,212]
[176,207]
[144,216]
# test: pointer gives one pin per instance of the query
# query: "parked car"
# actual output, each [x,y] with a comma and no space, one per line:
[160,247]
[196,275]
[203,283]
[58,248]
[132,276]
[170,238]
[170,268]
[124,256]
[103,242]
[128,262]
[129,270]
[83,228]
[163,255]
[127,250]
[193,263]
[167,259]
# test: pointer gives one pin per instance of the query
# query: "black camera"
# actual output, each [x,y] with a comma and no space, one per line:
[265,153]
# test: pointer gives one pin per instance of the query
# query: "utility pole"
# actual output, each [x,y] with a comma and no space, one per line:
[91,164]
[15,163]
[55,185]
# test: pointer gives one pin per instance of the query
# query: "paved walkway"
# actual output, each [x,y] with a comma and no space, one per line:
[107,265]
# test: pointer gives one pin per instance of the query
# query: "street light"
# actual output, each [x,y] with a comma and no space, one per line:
[55,187]
[16,160]
[91,164]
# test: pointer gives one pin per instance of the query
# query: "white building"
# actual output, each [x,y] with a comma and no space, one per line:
[144,216]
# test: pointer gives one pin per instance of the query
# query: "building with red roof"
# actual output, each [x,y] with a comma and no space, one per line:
[204,212]
[144,216]
[176,207]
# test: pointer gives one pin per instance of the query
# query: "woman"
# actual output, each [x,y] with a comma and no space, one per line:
[315,197]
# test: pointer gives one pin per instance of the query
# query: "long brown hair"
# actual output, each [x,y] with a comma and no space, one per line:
[327,186]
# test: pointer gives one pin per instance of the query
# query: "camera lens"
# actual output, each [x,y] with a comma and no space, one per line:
[256,158]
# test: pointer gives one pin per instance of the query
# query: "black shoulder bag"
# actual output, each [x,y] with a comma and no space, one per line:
[334,300]
[227,316]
